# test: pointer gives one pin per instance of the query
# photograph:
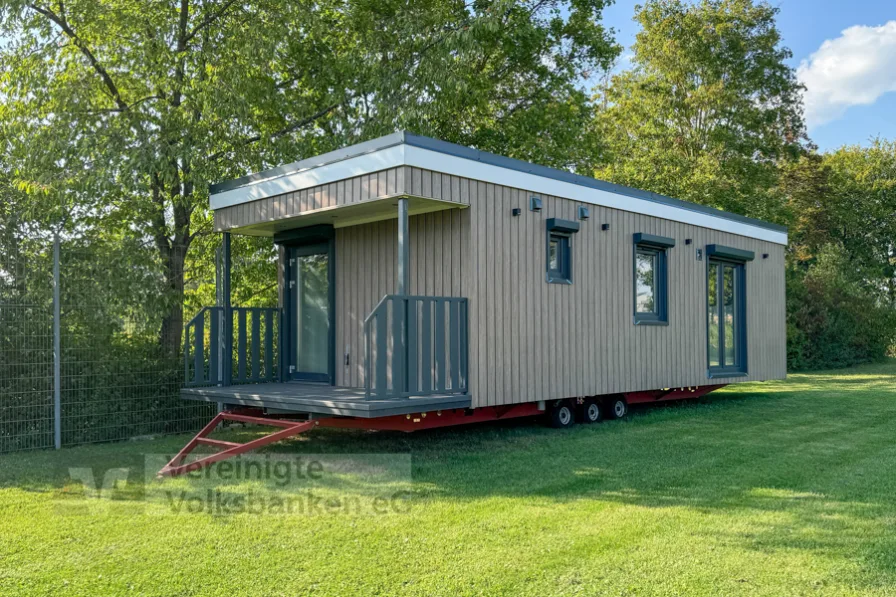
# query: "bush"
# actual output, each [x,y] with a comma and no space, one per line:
[833,319]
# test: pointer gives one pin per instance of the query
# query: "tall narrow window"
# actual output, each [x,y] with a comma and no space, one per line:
[651,279]
[713,312]
[726,310]
[559,250]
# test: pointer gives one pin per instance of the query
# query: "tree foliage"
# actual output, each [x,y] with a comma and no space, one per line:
[832,318]
[118,114]
[842,255]
[709,108]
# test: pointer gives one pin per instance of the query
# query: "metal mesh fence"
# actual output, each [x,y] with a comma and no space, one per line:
[117,377]
[26,344]
[117,381]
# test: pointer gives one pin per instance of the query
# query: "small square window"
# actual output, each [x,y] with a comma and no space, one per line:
[559,264]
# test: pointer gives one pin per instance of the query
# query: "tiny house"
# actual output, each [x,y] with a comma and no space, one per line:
[424,283]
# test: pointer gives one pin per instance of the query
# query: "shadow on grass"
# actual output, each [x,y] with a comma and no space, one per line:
[811,461]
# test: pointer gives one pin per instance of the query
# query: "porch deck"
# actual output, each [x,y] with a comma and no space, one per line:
[320,398]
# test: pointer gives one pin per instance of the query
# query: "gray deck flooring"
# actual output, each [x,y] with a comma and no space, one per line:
[319,398]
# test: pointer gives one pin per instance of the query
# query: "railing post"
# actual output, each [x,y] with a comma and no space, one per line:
[199,349]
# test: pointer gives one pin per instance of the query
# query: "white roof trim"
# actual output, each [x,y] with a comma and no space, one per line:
[410,155]
[448,164]
[375,161]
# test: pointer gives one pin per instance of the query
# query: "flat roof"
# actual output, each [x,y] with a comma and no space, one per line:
[404,148]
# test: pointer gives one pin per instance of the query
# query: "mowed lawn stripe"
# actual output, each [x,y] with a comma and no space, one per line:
[783,488]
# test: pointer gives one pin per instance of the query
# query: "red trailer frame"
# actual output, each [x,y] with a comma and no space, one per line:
[287,427]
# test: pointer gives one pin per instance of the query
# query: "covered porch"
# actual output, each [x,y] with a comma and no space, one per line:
[413,350]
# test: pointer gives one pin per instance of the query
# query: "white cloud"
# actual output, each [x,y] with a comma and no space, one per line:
[854,69]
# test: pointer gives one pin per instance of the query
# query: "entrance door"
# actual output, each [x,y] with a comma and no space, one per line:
[310,315]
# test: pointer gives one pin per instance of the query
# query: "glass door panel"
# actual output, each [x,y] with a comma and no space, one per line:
[713,311]
[310,286]
[725,316]
[728,316]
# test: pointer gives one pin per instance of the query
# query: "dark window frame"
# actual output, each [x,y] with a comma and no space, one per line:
[657,246]
[736,259]
[563,274]
[561,231]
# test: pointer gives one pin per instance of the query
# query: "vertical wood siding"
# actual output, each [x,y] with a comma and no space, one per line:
[530,340]
[366,271]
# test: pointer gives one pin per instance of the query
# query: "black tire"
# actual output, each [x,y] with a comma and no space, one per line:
[615,407]
[591,412]
[562,415]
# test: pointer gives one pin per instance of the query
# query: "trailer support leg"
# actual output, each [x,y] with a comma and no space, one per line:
[230,449]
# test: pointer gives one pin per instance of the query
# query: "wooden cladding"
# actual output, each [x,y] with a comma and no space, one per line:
[539,341]
[530,340]
[366,271]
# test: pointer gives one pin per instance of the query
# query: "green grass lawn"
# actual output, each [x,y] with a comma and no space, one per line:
[784,488]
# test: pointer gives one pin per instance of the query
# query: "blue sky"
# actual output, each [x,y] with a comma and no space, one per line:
[845,53]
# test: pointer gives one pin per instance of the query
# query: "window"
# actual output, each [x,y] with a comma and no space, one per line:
[558,259]
[559,250]
[726,311]
[650,275]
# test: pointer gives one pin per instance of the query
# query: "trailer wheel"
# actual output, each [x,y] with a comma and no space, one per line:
[562,415]
[591,412]
[616,407]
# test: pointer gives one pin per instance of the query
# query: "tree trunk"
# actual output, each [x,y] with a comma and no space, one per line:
[171,335]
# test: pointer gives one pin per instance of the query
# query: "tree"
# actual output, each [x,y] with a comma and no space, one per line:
[119,113]
[841,302]
[709,108]
[862,211]
[847,196]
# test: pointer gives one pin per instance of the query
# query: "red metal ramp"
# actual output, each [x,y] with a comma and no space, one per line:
[230,449]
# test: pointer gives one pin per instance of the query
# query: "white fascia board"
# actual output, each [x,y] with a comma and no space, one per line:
[382,159]
[448,164]
[409,155]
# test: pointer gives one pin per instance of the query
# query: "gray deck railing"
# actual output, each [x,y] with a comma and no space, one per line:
[416,346]
[251,341]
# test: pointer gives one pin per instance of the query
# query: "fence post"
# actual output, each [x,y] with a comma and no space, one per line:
[57,356]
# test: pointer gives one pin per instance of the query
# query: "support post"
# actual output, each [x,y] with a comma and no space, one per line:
[227,328]
[401,385]
[57,345]
[404,266]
